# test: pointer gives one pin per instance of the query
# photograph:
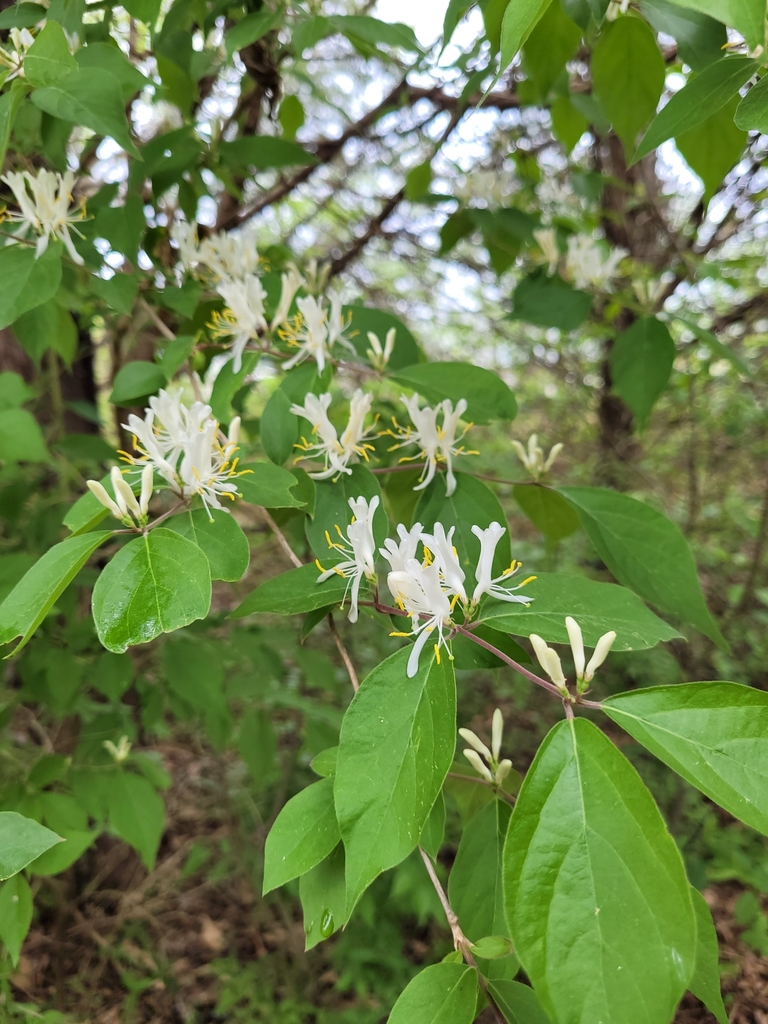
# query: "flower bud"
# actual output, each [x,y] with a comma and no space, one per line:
[476,742]
[604,645]
[505,767]
[577,644]
[147,486]
[554,452]
[123,493]
[497,728]
[474,759]
[100,493]
[549,660]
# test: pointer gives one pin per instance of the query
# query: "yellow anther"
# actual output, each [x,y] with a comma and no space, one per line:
[397,633]
[317,563]
[437,653]
[530,579]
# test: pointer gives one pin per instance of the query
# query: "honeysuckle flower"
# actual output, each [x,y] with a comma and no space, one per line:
[229,256]
[147,487]
[547,242]
[474,740]
[441,547]
[317,275]
[336,451]
[418,590]
[290,282]
[44,203]
[486,583]
[437,443]
[398,554]
[360,549]
[477,763]
[121,751]
[586,265]
[585,673]
[533,458]
[316,331]
[243,317]
[549,660]
[184,236]
[99,491]
[377,356]
[491,768]
[13,58]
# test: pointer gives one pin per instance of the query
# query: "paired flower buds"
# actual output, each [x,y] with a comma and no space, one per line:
[533,458]
[121,751]
[494,771]
[549,659]
[378,356]
[124,505]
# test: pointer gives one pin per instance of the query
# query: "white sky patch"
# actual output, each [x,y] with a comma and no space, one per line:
[424,16]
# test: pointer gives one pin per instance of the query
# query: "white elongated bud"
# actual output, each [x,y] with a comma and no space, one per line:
[123,493]
[234,435]
[375,344]
[549,660]
[505,767]
[147,486]
[100,493]
[497,728]
[521,453]
[477,763]
[475,741]
[599,655]
[389,344]
[553,453]
[577,644]
[539,649]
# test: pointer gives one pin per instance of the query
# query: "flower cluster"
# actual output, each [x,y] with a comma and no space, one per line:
[44,201]
[337,451]
[586,263]
[437,442]
[315,330]
[533,458]
[124,505]
[488,765]
[549,659]
[12,57]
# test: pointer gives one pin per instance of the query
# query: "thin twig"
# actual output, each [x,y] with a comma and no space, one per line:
[294,558]
[343,653]
[550,687]
[484,782]
[164,329]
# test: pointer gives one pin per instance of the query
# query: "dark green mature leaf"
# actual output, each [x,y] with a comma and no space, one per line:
[279,428]
[713,734]
[474,884]
[645,551]
[22,840]
[627,76]
[332,510]
[27,281]
[752,111]
[520,19]
[372,30]
[364,319]
[550,302]
[746,16]
[155,584]
[442,994]
[641,363]
[396,746]
[137,381]
[47,327]
[90,97]
[699,99]
[433,833]
[220,538]
[268,485]
[252,28]
[517,1002]
[597,607]
[488,397]
[119,292]
[15,914]
[713,147]
[547,510]
[549,47]
[137,814]
[23,15]
[595,889]
[700,39]
[35,594]
[323,898]
[263,152]
[305,832]
[48,59]
[470,655]
[10,101]
[292,593]
[705,983]
[21,439]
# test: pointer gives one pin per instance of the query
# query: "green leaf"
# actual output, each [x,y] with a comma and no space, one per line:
[713,147]
[475,881]
[120,292]
[713,734]
[13,391]
[48,59]
[705,983]
[23,15]
[594,886]
[269,486]
[155,584]
[292,593]
[597,607]
[257,744]
[305,832]
[492,947]
[122,226]
[364,319]
[137,814]
[27,281]
[252,28]
[324,763]
[549,47]
[92,98]
[568,123]
[291,116]
[145,10]
[323,898]
[47,327]
[644,551]
[88,512]
[64,854]
[418,181]
[220,538]
[10,102]
[228,382]
[279,428]
[433,832]
[137,381]
[699,99]
[263,152]
[332,510]
[641,363]
[441,994]
[36,593]
[752,111]
[547,510]
[396,746]
[716,347]
[520,19]
[700,39]
[69,14]
[22,840]
[746,16]
[454,13]
[627,76]
[517,1002]
[15,914]
[469,655]
[488,397]
[372,30]
[21,439]
[550,302]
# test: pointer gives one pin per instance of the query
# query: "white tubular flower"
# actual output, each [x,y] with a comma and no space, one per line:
[317,276]
[486,584]
[440,545]
[290,282]
[474,741]
[477,763]
[577,645]
[206,470]
[449,438]
[497,729]
[360,551]
[124,496]
[398,554]
[99,491]
[147,487]
[13,58]
[44,200]
[549,660]
[436,443]
[586,265]
[418,591]
[229,256]
[184,237]
[337,451]
[338,323]
[547,242]
[377,356]
[533,458]
[601,651]
[243,317]
[311,334]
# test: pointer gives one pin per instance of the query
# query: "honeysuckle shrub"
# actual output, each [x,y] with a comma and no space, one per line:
[231,376]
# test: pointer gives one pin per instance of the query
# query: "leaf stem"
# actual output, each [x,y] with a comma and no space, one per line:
[545,684]
[484,782]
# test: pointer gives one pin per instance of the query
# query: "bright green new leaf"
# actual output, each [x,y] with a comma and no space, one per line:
[110,58]
[48,59]
[520,19]
[36,593]
[252,28]
[268,485]
[517,1002]
[713,734]
[155,584]
[22,840]
[746,16]
[279,428]
[549,47]
[713,147]
[474,884]
[488,397]
[641,363]
[752,111]
[444,993]
[700,39]
[627,76]
[492,947]
[136,381]
[323,898]
[332,510]
[646,552]
[699,99]
[64,854]
[705,983]
[27,281]
[547,510]
[305,832]
[21,439]
[363,319]
[396,746]
[263,152]
[15,914]
[137,814]
[221,539]
[594,886]
[550,302]
[292,593]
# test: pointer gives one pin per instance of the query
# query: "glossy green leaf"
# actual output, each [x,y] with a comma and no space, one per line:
[746,16]
[444,993]
[136,381]
[705,983]
[488,397]
[396,746]
[304,833]
[323,898]
[22,840]
[363,319]
[21,439]
[137,814]
[252,28]
[752,111]
[27,281]
[712,148]
[594,886]
[475,881]
[641,363]
[700,39]
[15,914]
[48,59]
[713,734]
[520,19]
[268,485]
[263,152]
[550,302]
[221,539]
[155,584]
[646,552]
[547,510]
[332,510]
[292,593]
[699,99]
[517,1002]
[36,593]
[279,428]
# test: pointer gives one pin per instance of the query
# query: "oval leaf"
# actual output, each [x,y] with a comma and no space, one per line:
[641,361]
[305,833]
[219,537]
[442,994]
[488,397]
[474,885]
[22,840]
[292,593]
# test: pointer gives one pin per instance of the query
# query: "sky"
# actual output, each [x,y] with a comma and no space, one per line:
[424,16]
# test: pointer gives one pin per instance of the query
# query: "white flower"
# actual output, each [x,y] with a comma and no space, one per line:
[360,551]
[485,185]
[398,554]
[379,357]
[184,236]
[486,584]
[436,443]
[533,459]
[338,323]
[316,276]
[547,241]
[585,263]
[13,58]
[497,728]
[44,200]
[441,546]
[315,333]
[495,771]
[418,590]
[290,282]
[586,673]
[337,451]
[243,317]
[229,256]
[549,660]
[121,752]
[99,491]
